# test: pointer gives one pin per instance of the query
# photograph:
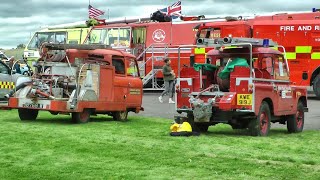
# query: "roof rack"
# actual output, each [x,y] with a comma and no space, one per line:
[253,41]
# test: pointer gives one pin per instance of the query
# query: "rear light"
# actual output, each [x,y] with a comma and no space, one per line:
[250,88]
[177,88]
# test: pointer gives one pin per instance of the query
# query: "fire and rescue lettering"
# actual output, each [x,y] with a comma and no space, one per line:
[300,28]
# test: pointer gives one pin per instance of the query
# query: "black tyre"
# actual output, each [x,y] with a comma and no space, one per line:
[260,126]
[316,86]
[200,127]
[28,114]
[197,127]
[81,117]
[120,116]
[295,122]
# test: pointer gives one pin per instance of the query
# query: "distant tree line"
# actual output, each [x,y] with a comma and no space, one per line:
[21,46]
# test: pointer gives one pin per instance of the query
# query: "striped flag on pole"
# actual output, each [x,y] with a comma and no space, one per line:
[94,12]
[174,10]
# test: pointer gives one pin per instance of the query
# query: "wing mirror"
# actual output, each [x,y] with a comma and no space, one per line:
[305,76]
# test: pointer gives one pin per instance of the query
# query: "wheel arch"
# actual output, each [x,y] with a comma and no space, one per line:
[270,104]
[303,99]
[314,75]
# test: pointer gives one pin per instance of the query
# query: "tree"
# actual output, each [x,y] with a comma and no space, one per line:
[21,46]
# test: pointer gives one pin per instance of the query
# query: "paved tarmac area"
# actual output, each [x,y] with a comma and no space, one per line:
[153,108]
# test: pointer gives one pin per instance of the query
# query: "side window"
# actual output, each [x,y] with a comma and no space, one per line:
[4,69]
[132,69]
[280,68]
[118,63]
[60,37]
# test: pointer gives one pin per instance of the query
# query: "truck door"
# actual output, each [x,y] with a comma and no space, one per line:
[282,83]
[120,80]
[134,83]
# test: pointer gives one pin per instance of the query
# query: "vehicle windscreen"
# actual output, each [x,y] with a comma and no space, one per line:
[208,33]
[41,37]
[114,37]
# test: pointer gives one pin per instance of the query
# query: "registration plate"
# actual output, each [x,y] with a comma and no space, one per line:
[36,106]
[244,99]
[39,104]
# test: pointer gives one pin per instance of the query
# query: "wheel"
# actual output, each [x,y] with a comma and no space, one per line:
[201,127]
[260,125]
[239,126]
[81,117]
[295,122]
[120,115]
[25,73]
[28,114]
[316,86]
[197,127]
[54,113]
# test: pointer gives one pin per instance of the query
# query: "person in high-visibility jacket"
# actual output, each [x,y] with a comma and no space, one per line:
[132,70]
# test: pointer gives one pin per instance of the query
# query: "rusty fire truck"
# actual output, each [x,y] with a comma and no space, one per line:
[151,41]
[80,80]
[243,82]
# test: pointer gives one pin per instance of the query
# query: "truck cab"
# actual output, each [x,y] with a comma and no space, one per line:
[243,82]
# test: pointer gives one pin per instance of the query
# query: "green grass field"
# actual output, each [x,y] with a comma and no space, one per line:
[54,148]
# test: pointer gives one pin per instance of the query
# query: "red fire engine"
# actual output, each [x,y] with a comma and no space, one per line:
[151,41]
[81,80]
[298,33]
[244,83]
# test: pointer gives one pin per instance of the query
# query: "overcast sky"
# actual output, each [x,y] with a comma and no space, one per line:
[20,18]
